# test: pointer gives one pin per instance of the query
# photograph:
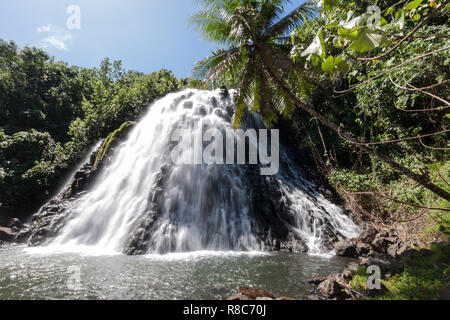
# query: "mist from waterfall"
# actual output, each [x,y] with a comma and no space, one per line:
[189,207]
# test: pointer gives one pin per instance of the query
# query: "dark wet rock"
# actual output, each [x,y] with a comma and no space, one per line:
[138,242]
[397,249]
[349,271]
[39,236]
[46,223]
[332,288]
[224,92]
[293,244]
[368,235]
[363,248]
[23,235]
[213,101]
[371,253]
[6,234]
[316,280]
[330,236]
[346,249]
[188,104]
[15,223]
[381,242]
[271,209]
[50,218]
[389,266]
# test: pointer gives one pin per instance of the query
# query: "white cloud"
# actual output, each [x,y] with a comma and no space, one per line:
[57,42]
[58,38]
[46,28]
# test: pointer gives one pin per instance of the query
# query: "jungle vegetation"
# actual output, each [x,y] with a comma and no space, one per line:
[363,84]
[51,114]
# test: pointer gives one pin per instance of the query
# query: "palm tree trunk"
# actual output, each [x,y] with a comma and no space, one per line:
[420,179]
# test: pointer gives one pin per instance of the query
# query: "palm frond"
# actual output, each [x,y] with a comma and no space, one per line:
[242,24]
[272,11]
[293,20]
[245,93]
[218,4]
[213,24]
[203,67]
[227,64]
[282,103]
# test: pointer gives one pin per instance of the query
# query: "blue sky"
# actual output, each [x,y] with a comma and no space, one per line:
[147,35]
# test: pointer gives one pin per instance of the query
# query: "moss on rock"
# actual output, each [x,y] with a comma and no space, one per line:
[426,277]
[111,141]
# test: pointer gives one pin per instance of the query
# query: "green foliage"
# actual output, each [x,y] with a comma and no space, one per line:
[30,163]
[51,113]
[359,280]
[112,140]
[402,189]
[254,35]
[38,93]
[425,277]
[374,104]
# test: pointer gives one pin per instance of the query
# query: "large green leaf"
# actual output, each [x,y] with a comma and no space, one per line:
[332,64]
[368,39]
[349,34]
[341,65]
[328,64]
[413,4]
[317,47]
[364,38]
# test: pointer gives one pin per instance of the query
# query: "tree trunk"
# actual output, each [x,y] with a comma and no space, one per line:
[420,179]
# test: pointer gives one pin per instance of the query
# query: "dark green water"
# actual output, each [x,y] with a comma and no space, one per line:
[201,275]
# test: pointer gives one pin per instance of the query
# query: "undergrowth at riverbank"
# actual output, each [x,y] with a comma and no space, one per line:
[398,202]
[426,277]
[112,140]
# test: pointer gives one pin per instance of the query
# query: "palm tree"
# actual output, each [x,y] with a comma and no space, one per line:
[254,33]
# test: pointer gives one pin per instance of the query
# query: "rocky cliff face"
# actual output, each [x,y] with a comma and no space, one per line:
[282,212]
[270,208]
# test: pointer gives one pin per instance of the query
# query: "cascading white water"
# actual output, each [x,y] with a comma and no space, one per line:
[200,207]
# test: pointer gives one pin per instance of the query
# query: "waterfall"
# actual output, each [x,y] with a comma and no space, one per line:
[143,202]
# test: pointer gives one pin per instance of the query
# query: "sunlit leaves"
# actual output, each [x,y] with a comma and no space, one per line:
[249,29]
[213,66]
[413,4]
[332,64]
[363,38]
[363,33]
[317,47]
[329,4]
